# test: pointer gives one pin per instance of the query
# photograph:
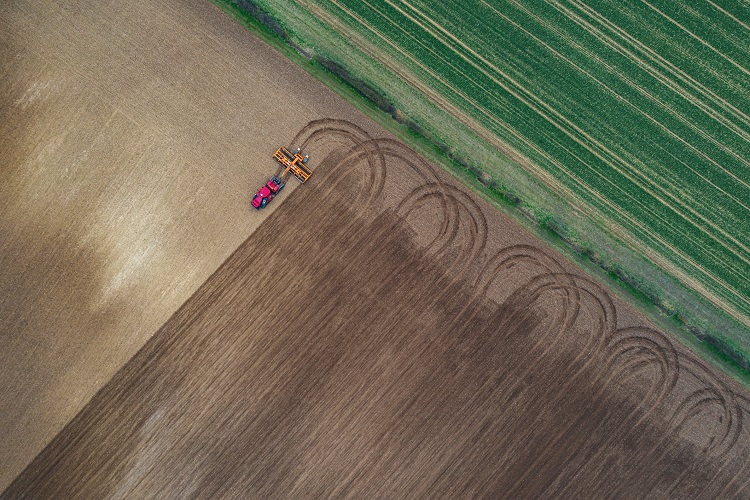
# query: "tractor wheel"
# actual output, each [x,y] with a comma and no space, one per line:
[264,203]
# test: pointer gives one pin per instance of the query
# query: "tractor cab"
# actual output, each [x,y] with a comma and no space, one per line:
[265,194]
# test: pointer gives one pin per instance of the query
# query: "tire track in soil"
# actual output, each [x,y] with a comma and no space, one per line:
[632,348]
[574,384]
[635,348]
[547,348]
[629,351]
[453,204]
[719,434]
[373,154]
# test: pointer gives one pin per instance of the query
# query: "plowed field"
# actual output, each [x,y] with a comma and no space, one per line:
[385,334]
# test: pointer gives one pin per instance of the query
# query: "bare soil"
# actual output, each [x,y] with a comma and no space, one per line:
[386,334]
[132,135]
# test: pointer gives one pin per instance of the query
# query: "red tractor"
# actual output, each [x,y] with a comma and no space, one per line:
[293,163]
[267,192]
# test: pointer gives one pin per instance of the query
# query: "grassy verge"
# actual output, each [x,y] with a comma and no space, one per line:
[683,324]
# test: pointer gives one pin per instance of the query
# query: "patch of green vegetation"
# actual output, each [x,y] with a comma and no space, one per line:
[411,120]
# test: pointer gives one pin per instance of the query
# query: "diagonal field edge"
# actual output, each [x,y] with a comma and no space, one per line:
[398,379]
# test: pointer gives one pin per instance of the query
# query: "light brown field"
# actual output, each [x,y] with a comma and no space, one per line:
[382,334]
[131,137]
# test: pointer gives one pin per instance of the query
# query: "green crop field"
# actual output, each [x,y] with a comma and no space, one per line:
[630,121]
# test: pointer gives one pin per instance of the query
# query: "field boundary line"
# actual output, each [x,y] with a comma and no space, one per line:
[480,129]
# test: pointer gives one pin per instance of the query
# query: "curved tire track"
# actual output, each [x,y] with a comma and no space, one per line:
[625,354]
[453,202]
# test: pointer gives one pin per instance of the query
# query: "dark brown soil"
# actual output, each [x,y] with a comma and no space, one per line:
[386,335]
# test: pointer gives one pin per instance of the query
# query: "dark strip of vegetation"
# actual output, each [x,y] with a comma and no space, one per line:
[721,346]
[264,18]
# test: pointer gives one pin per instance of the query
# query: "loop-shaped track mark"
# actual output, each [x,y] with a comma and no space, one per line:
[629,350]
[714,394]
[453,202]
[335,133]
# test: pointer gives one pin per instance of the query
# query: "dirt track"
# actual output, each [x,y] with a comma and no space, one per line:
[387,335]
[131,135]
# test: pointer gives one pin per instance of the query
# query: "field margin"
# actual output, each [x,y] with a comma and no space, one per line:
[690,330]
